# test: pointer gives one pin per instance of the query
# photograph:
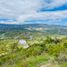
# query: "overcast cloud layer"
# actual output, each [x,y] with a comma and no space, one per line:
[33,11]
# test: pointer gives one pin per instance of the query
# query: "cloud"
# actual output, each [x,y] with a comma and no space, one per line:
[7,21]
[3,22]
[59,8]
[25,11]
[53,3]
[14,8]
[50,16]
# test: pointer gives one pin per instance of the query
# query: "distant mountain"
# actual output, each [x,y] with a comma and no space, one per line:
[14,26]
[50,29]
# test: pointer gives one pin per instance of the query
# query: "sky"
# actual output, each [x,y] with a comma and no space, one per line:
[33,12]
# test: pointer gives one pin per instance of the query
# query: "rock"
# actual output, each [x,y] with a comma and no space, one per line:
[23,43]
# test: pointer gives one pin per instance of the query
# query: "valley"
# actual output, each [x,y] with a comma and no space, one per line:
[33,45]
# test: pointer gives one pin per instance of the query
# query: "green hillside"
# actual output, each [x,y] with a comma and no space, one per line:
[34,47]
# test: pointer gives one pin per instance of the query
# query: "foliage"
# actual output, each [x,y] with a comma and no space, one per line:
[40,51]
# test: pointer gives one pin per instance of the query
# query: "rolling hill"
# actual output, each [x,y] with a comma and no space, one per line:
[9,30]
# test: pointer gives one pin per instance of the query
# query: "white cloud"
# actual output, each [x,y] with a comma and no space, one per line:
[8,22]
[51,16]
[54,3]
[15,8]
[23,10]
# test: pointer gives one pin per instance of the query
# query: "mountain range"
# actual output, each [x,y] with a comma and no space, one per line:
[44,28]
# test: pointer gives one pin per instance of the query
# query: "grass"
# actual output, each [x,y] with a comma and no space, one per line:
[33,61]
[45,51]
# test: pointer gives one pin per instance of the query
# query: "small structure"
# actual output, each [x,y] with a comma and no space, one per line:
[23,43]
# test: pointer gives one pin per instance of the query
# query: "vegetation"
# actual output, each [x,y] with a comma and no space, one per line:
[47,45]
[47,51]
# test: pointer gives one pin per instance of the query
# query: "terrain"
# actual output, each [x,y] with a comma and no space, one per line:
[9,31]
[47,45]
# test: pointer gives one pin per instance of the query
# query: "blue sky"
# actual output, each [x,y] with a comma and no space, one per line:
[33,11]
